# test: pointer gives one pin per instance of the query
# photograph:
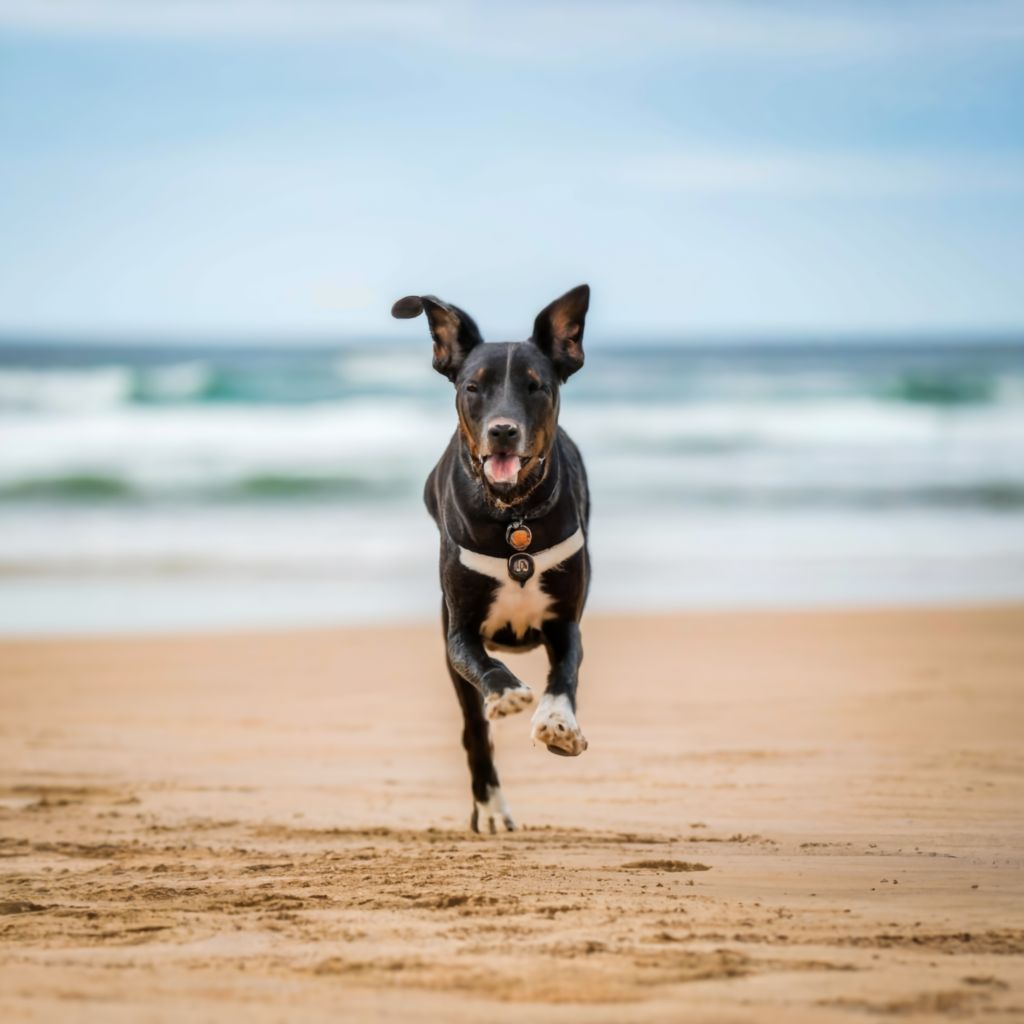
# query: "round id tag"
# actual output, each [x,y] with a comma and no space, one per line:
[520,567]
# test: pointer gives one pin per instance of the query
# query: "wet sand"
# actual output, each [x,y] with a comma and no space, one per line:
[785,816]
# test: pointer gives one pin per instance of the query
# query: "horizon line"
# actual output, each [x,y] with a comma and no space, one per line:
[11,340]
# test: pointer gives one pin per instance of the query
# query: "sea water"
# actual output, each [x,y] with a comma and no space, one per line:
[155,487]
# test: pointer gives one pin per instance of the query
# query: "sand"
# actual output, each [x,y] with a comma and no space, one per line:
[798,817]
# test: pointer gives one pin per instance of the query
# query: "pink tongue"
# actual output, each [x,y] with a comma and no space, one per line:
[502,469]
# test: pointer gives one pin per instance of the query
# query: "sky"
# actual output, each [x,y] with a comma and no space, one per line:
[203,169]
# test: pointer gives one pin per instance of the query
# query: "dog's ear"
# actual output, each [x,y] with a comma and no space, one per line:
[558,330]
[453,330]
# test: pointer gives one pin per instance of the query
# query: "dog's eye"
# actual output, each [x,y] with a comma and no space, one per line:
[534,386]
[472,388]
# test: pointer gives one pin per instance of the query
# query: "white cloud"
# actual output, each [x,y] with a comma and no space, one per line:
[567,30]
[808,173]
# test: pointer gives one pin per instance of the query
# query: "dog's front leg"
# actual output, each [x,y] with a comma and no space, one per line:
[503,694]
[554,721]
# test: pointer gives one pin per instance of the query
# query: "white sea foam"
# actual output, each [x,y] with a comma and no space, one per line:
[659,452]
[169,448]
[384,368]
[64,390]
[835,421]
[175,382]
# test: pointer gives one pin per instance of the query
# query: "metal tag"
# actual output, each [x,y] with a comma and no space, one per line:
[519,537]
[520,567]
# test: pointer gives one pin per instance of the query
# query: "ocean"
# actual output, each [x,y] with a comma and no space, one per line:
[164,487]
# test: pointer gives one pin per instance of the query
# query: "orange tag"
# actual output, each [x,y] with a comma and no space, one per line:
[519,537]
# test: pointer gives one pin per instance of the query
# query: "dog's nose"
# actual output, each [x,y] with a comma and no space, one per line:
[503,433]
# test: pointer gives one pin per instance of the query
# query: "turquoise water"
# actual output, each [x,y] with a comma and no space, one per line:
[145,481]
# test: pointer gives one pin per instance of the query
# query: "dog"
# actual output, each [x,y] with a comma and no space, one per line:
[510,500]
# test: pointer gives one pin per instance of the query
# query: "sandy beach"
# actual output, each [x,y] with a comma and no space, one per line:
[781,816]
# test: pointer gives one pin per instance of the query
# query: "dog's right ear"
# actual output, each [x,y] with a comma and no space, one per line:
[453,330]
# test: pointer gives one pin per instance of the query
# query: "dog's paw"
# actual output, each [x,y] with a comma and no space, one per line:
[507,702]
[555,725]
[488,814]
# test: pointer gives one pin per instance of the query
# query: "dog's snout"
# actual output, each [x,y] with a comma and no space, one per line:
[503,433]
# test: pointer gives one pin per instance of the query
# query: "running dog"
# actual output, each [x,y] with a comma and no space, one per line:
[509,496]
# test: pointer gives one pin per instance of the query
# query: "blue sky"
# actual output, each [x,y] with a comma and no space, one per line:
[202,169]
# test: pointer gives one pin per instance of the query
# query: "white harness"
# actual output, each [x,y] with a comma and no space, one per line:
[544,561]
[520,606]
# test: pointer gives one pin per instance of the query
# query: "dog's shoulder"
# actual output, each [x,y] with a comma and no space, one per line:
[575,474]
[440,478]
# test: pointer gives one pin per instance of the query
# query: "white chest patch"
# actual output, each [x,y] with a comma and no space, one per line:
[521,607]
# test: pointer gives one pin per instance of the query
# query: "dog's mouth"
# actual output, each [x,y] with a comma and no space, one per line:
[502,467]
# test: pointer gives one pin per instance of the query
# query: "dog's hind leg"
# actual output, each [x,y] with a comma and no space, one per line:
[489,807]
[554,721]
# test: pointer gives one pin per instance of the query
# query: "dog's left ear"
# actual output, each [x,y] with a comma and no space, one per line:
[558,331]
[453,331]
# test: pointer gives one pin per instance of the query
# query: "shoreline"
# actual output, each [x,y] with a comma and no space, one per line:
[790,813]
[600,616]
[76,594]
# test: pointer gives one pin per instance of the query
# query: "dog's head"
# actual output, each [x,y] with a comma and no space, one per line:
[506,393]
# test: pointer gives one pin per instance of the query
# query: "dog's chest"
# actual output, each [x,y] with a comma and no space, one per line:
[521,608]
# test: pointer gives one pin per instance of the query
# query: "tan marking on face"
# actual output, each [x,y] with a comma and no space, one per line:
[469,437]
[472,441]
[539,449]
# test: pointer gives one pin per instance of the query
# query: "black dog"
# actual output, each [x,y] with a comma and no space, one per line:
[510,500]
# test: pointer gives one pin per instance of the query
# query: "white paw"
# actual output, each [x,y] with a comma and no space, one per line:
[488,815]
[555,725]
[508,702]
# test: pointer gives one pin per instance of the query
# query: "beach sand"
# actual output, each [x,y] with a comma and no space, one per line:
[781,816]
